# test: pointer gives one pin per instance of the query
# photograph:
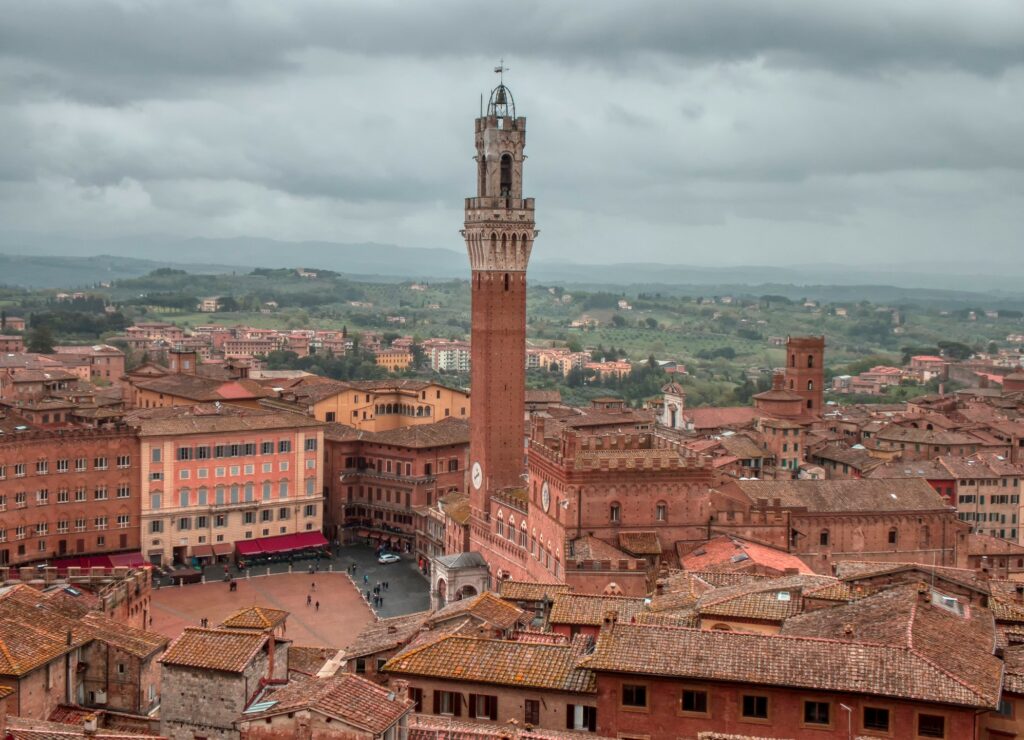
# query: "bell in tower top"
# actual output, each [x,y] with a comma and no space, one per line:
[501,103]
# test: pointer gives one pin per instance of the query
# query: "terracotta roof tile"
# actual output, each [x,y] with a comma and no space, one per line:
[308,660]
[591,548]
[431,727]
[782,660]
[255,618]
[957,641]
[229,651]
[528,591]
[386,634]
[24,728]
[345,697]
[212,419]
[773,599]
[640,543]
[487,607]
[588,609]
[503,662]
[198,388]
[735,554]
[865,494]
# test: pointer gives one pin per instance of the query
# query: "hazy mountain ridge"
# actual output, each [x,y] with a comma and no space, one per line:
[129,256]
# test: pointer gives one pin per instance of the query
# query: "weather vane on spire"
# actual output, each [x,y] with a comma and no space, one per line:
[500,70]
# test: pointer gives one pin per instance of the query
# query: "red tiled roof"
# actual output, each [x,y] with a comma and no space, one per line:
[502,662]
[345,697]
[734,554]
[229,651]
[847,496]
[714,418]
[783,660]
[589,609]
[640,543]
[487,607]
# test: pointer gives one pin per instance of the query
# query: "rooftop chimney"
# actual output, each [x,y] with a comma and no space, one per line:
[848,630]
[778,381]
[271,646]
[90,725]
[610,618]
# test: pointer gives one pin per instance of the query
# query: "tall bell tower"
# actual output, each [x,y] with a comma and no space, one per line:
[499,232]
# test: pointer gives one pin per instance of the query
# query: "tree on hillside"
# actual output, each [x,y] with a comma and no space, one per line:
[40,339]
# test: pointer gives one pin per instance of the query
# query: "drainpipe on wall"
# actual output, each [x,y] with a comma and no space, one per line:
[68,688]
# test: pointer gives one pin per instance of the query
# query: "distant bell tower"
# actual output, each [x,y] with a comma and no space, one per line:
[499,234]
[805,372]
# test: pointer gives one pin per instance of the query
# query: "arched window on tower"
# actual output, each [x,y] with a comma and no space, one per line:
[506,281]
[506,175]
[810,360]
[810,385]
[792,360]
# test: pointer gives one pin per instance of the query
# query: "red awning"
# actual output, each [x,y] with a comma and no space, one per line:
[247,547]
[85,561]
[202,551]
[128,559]
[222,548]
[289,542]
[281,543]
[363,533]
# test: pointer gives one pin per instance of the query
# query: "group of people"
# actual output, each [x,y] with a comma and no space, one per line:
[375,596]
[310,602]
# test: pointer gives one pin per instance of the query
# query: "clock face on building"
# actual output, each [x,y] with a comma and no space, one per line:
[545,496]
[477,476]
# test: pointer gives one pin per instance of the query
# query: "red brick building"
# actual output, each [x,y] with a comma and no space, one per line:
[381,484]
[898,666]
[69,492]
[823,521]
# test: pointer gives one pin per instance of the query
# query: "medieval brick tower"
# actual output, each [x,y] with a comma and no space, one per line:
[805,372]
[499,235]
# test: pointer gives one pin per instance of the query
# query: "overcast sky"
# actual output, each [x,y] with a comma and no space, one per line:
[676,131]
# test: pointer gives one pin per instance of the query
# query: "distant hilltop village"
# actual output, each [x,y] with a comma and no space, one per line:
[786,569]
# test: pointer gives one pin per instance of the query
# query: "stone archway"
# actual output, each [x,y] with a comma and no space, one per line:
[466,592]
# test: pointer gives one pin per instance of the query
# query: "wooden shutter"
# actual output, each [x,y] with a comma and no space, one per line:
[592,719]
[570,710]
[437,701]
[493,702]
[457,703]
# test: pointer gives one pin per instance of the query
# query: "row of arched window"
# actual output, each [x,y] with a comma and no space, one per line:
[401,408]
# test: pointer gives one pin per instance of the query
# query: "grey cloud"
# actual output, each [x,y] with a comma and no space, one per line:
[719,125]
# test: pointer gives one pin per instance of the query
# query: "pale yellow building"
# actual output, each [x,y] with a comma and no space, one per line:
[370,405]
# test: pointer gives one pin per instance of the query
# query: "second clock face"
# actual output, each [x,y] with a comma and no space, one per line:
[477,476]
[545,496]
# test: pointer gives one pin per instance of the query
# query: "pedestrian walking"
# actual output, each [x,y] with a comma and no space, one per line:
[366,578]
[318,606]
[309,599]
[380,601]
[313,586]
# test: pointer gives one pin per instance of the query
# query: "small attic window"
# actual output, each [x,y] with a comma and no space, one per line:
[783,596]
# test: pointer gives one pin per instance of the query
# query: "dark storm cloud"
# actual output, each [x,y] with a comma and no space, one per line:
[732,125]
